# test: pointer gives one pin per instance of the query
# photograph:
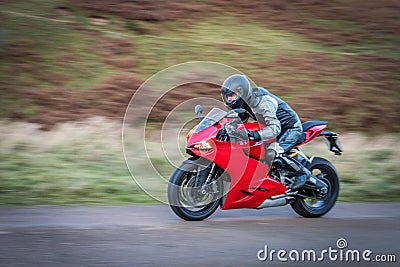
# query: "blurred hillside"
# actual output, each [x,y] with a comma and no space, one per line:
[69,60]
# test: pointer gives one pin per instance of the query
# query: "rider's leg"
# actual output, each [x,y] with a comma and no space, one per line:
[269,157]
[271,151]
[287,140]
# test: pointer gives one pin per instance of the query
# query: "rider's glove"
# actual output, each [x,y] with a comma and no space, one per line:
[253,136]
[234,132]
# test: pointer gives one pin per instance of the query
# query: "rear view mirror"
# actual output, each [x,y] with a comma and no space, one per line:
[198,109]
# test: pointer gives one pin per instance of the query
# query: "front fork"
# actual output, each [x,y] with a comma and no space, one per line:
[203,178]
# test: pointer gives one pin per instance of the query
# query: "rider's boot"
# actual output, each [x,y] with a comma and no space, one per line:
[300,180]
[302,173]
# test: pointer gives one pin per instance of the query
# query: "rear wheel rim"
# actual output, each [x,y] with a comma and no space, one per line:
[320,203]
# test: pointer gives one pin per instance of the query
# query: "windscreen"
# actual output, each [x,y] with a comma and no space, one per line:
[214,116]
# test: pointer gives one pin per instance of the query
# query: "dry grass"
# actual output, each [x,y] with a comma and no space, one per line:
[368,168]
[337,59]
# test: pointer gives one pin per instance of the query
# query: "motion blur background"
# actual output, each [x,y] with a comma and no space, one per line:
[69,68]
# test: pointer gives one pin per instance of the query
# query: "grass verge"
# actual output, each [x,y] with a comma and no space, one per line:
[82,163]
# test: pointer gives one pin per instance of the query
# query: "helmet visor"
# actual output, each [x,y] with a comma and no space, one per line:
[230,97]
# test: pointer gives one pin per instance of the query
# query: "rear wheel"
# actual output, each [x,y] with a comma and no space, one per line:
[315,205]
[189,199]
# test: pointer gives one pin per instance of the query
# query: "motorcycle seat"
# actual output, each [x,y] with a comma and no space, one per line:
[306,126]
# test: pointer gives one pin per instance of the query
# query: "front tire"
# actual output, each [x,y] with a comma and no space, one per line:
[183,194]
[312,208]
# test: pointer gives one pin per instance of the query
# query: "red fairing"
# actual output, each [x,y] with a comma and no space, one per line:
[250,185]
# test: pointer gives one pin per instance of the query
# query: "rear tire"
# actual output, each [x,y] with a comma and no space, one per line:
[324,170]
[179,187]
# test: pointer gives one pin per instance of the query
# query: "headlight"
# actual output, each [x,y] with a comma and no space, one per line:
[202,146]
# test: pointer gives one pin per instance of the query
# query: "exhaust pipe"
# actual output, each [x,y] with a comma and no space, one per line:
[269,202]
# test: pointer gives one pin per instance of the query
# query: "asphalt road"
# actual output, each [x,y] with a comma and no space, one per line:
[151,235]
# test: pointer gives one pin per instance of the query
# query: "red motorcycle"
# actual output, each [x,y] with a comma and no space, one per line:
[233,172]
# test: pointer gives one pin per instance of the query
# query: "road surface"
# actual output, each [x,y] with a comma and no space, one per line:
[151,235]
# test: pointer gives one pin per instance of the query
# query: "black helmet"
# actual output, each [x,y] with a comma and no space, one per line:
[236,84]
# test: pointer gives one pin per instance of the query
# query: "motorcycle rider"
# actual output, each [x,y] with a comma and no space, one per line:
[280,121]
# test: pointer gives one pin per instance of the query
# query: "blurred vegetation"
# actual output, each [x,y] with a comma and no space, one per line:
[337,59]
[64,61]
[62,167]
[368,169]
[76,164]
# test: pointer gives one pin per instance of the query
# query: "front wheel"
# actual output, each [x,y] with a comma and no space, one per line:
[316,206]
[189,197]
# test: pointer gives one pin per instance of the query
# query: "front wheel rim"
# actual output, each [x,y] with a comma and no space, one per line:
[191,198]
